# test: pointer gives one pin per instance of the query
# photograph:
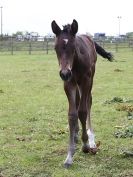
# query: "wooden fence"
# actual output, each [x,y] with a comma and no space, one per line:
[12,46]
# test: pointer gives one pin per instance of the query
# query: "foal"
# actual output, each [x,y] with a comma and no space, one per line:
[77,59]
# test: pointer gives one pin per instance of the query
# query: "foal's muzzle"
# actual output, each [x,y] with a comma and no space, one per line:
[65,74]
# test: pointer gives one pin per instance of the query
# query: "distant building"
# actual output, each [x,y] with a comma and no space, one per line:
[19,37]
[33,36]
[50,36]
[99,35]
[40,38]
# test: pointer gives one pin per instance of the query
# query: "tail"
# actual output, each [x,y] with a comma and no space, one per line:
[103,53]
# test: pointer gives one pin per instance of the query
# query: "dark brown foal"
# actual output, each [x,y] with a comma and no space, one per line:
[77,58]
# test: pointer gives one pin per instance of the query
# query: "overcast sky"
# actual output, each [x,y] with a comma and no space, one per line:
[92,15]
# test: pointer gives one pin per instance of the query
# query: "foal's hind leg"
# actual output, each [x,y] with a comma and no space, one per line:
[82,113]
[84,116]
[90,132]
[77,123]
[70,90]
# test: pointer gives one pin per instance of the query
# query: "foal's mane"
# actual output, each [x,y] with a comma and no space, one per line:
[66,28]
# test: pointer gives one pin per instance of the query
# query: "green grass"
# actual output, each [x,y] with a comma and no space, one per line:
[33,119]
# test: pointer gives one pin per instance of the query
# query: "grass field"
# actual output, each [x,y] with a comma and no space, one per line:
[33,119]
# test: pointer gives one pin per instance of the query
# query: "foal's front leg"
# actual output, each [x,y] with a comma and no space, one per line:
[70,90]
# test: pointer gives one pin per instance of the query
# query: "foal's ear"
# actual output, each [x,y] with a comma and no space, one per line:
[55,28]
[74,27]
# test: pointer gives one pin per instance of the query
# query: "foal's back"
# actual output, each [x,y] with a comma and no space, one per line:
[86,54]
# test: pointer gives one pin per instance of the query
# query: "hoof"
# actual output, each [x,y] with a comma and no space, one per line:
[67,165]
[85,149]
[94,150]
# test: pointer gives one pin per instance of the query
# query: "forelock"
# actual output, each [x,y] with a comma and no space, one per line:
[66,28]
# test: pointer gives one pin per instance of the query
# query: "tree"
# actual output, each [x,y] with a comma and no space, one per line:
[129,34]
[17,33]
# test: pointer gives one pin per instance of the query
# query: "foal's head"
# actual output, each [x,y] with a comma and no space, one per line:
[65,47]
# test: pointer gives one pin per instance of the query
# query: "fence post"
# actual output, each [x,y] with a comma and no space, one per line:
[29,47]
[43,44]
[11,45]
[116,46]
[46,46]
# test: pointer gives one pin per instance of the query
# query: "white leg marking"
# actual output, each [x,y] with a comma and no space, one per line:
[68,159]
[91,139]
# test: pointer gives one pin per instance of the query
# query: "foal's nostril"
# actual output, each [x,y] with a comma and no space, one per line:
[62,75]
[65,75]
